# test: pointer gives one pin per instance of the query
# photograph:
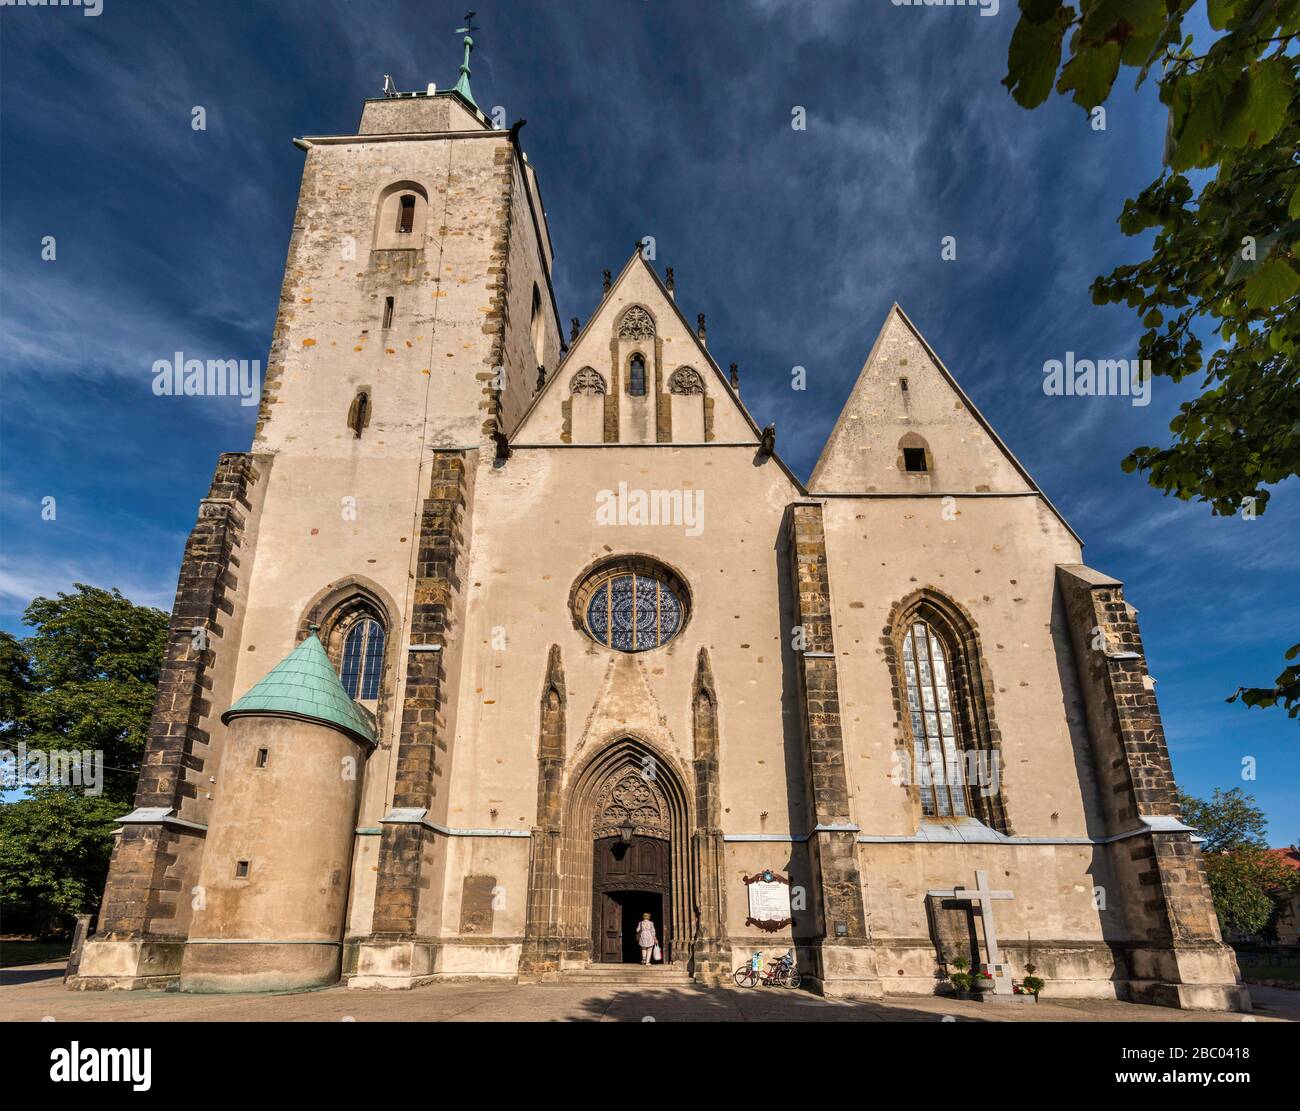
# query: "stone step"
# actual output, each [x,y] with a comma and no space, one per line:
[627,974]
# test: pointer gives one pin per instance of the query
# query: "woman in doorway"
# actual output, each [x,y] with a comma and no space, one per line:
[645,937]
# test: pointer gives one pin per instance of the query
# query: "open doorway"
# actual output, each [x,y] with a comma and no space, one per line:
[634,904]
[630,879]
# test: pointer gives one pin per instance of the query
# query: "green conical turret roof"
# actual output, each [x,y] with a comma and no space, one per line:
[304,685]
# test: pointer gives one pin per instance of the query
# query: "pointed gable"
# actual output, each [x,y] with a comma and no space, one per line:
[907,427]
[637,374]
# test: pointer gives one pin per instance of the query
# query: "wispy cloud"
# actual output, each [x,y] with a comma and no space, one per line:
[670,119]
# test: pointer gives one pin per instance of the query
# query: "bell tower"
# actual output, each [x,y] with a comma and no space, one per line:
[416,321]
[417,289]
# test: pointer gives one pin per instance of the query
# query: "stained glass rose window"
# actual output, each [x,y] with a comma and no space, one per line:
[632,606]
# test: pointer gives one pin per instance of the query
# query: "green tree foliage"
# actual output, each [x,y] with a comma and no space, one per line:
[89,675]
[1246,881]
[54,850]
[1229,820]
[84,680]
[1225,213]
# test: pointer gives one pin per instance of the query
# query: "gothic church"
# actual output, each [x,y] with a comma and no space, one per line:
[496,641]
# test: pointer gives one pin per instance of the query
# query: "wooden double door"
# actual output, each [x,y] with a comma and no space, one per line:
[629,879]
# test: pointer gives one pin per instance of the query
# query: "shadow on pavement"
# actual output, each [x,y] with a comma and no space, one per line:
[705,1004]
[11,977]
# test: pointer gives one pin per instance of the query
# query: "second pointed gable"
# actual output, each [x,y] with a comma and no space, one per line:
[906,410]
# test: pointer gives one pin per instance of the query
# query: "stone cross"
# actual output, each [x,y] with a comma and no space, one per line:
[983,897]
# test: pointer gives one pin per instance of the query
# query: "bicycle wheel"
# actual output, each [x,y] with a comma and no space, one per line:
[745,977]
[793,979]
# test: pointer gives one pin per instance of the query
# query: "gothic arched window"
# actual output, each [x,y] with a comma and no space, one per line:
[936,751]
[363,660]
[947,712]
[636,324]
[537,328]
[587,381]
[401,216]
[915,454]
[636,377]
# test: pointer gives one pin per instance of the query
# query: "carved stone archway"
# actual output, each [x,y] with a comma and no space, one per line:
[627,778]
[630,795]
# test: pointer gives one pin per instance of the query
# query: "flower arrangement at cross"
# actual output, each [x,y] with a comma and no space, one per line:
[1031,984]
[960,978]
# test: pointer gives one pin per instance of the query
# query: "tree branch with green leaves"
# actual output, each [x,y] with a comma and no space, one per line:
[1225,213]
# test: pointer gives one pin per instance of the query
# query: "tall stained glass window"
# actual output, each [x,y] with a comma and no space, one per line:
[937,753]
[363,660]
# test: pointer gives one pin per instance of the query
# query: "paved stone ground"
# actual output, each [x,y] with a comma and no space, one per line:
[35,992]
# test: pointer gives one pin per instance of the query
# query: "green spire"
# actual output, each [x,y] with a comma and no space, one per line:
[304,685]
[462,85]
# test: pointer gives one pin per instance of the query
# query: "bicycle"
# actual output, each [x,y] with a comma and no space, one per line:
[782,974]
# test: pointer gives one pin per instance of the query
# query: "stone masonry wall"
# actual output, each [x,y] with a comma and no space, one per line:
[145,896]
[1134,771]
[840,883]
[422,738]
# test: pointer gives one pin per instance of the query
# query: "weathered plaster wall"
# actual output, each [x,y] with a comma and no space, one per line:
[996,558]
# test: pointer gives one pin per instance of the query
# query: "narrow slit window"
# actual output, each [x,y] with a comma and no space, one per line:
[388,312]
[902,384]
[262,756]
[406,214]
[636,377]
[241,869]
[914,460]
[359,413]
[537,328]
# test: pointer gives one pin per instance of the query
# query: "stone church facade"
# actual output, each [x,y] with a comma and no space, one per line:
[497,639]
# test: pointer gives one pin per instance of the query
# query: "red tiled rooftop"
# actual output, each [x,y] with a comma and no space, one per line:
[1289,856]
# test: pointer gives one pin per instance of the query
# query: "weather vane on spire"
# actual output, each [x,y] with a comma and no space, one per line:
[462,85]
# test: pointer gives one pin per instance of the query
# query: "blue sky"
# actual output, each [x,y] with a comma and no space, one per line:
[668,119]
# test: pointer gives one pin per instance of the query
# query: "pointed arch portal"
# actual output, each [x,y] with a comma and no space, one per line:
[626,790]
